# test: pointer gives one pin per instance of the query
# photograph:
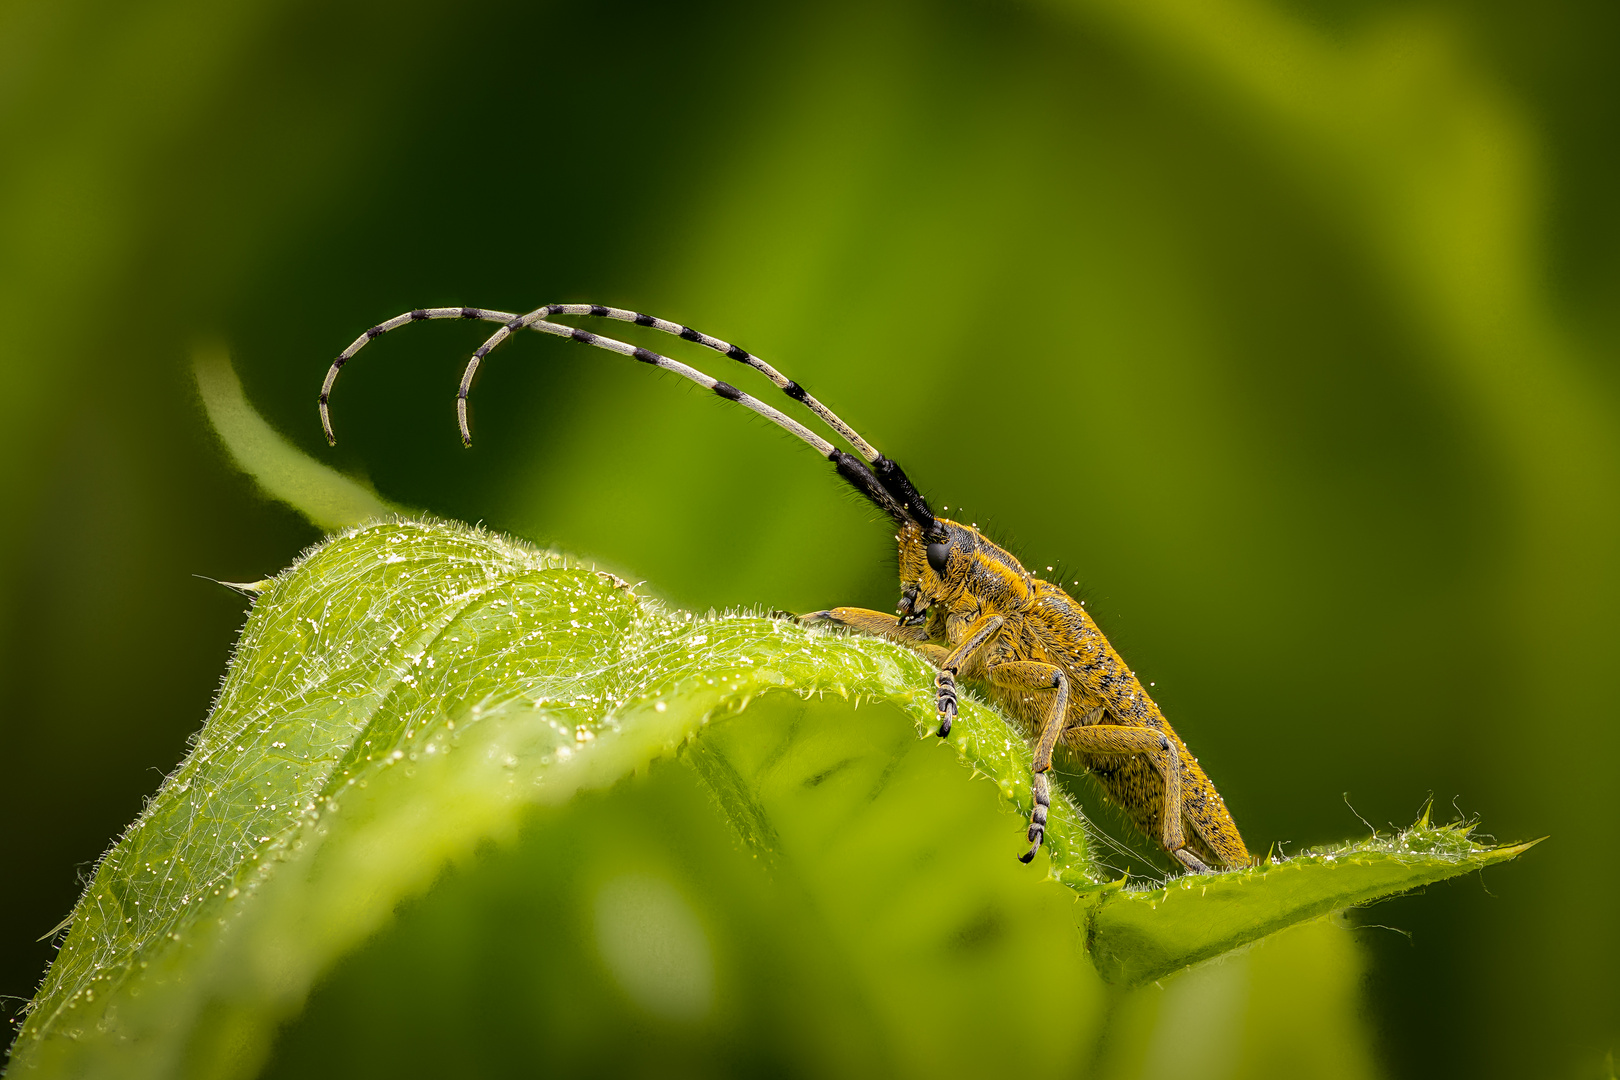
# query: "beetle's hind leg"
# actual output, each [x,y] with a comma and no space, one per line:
[1192,862]
[1157,747]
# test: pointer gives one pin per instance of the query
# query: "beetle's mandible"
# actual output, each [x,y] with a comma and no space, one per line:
[965,604]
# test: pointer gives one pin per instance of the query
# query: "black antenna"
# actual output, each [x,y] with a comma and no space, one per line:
[877,478]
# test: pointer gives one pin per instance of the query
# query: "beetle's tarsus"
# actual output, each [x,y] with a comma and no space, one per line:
[1193,863]
[945,699]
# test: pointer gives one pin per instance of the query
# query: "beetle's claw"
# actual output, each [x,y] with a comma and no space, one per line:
[1036,835]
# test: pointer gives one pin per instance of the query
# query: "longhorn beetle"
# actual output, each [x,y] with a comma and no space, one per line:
[965,604]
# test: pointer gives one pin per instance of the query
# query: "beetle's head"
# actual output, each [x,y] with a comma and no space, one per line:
[933,568]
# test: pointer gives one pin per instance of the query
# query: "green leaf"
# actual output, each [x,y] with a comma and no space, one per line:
[1139,936]
[402,695]
[412,695]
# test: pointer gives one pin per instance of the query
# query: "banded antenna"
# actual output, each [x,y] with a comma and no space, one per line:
[878,478]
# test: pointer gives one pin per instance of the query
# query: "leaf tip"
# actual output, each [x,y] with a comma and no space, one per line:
[246,588]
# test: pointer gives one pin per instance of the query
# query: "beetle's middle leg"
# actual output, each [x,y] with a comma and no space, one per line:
[1034,675]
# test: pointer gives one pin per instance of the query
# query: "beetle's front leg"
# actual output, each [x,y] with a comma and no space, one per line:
[878,624]
[915,635]
[909,633]
[978,636]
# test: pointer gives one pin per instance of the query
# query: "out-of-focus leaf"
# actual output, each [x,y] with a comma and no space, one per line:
[326,497]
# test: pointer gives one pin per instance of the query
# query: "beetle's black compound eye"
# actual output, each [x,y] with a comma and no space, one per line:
[936,557]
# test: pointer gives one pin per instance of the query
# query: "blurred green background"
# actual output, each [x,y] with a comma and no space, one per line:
[1288,329]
